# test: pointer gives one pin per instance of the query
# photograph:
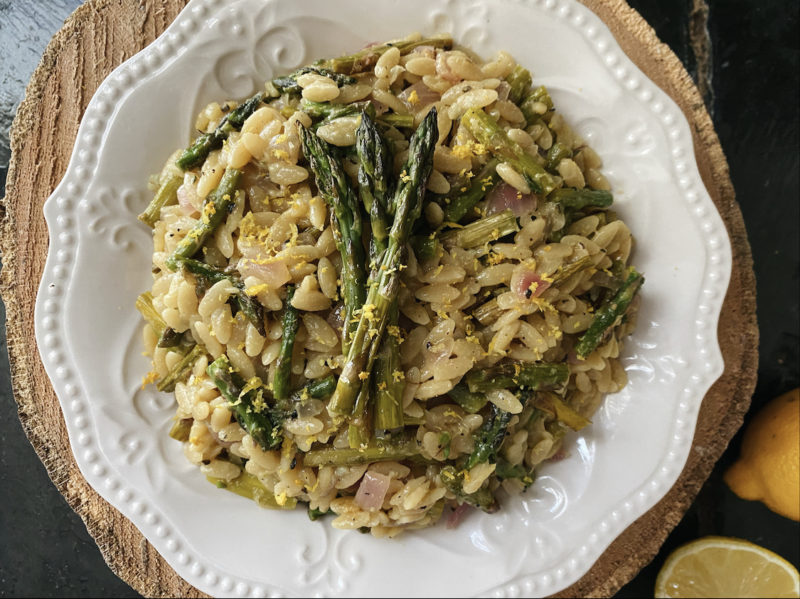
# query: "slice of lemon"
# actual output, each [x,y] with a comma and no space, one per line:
[726,567]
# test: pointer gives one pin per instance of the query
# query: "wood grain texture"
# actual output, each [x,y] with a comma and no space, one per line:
[102,34]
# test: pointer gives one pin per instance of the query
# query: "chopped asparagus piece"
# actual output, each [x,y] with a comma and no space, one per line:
[181,370]
[482,231]
[365,59]
[350,457]
[517,374]
[520,81]
[215,210]
[166,195]
[180,429]
[609,314]
[196,154]
[471,403]
[488,132]
[283,364]
[249,486]
[382,293]
[459,201]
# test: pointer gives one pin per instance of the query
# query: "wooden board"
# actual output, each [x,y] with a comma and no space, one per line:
[103,33]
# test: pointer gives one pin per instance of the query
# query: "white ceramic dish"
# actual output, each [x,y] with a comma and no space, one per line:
[89,332]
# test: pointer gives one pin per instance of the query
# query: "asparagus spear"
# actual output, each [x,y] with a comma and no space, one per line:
[181,369]
[408,201]
[486,130]
[520,81]
[482,231]
[334,187]
[553,404]
[482,499]
[326,112]
[180,429]
[365,59]
[166,195]
[388,388]
[609,314]
[458,203]
[424,246]
[215,209]
[249,486]
[581,199]
[504,471]
[316,389]
[195,154]
[283,365]
[517,374]
[249,408]
[556,154]
[489,437]
[374,176]
[541,96]
[144,303]
[249,305]
[470,402]
[288,83]
[487,312]
[316,513]
[402,450]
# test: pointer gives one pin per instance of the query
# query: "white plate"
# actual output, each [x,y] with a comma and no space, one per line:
[99,260]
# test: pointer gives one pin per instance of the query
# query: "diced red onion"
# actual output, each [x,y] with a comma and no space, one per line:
[444,71]
[505,197]
[372,491]
[275,274]
[529,284]
[187,197]
[425,95]
[427,51]
[457,515]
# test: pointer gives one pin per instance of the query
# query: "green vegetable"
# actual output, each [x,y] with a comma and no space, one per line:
[208,275]
[488,132]
[407,200]
[196,154]
[471,403]
[402,450]
[215,210]
[556,154]
[365,59]
[489,437]
[539,95]
[517,374]
[334,187]
[460,201]
[316,389]
[520,81]
[581,199]
[288,83]
[283,364]
[609,314]
[249,486]
[181,370]
[180,429]
[552,404]
[315,514]
[262,423]
[482,499]
[166,195]
[482,231]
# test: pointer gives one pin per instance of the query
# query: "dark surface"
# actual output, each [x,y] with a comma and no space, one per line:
[753,97]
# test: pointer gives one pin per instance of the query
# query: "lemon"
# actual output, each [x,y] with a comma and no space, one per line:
[769,467]
[726,567]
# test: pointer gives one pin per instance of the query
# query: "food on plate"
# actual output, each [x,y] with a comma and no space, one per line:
[726,567]
[768,469]
[386,286]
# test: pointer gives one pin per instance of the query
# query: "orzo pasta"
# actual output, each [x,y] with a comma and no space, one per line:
[386,285]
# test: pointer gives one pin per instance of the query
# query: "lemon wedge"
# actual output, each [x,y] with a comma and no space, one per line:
[726,567]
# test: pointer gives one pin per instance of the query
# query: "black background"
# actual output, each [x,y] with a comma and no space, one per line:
[753,98]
